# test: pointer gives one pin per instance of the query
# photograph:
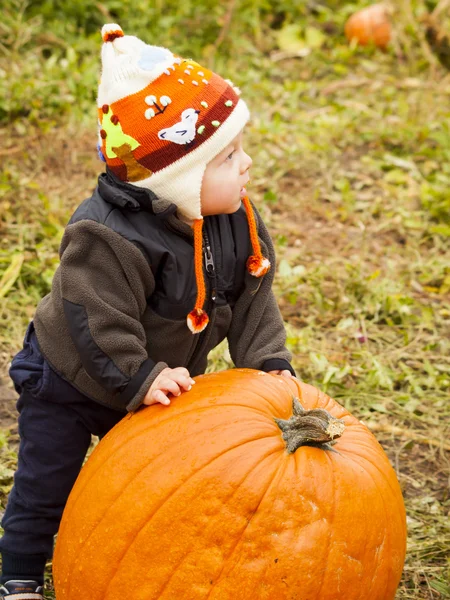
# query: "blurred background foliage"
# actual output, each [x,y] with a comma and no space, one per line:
[50,49]
[351,171]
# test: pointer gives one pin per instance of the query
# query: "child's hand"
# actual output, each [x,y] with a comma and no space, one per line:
[169,381]
[283,372]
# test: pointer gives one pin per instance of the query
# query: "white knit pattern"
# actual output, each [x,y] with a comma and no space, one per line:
[181,182]
[121,73]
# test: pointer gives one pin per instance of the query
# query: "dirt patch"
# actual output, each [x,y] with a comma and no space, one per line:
[67,167]
[419,467]
[70,164]
[340,211]
[315,230]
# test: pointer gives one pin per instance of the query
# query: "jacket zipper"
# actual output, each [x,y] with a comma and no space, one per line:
[211,273]
[209,265]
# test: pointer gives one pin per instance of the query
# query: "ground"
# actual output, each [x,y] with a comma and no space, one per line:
[351,173]
[310,236]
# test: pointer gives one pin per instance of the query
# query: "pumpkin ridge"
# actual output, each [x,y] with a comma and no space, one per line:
[387,526]
[142,433]
[176,490]
[80,489]
[330,403]
[387,479]
[285,462]
[387,530]
[300,469]
[331,520]
[73,498]
[231,496]
[363,563]
[209,407]
[249,408]
[105,514]
[271,408]
[379,565]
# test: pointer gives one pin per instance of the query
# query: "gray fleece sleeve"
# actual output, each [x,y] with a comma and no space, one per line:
[257,336]
[105,282]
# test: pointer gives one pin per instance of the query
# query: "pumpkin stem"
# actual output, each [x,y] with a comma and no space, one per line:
[315,427]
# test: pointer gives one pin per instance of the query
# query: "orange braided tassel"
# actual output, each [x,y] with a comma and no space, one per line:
[197,319]
[257,264]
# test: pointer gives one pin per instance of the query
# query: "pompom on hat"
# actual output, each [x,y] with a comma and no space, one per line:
[162,118]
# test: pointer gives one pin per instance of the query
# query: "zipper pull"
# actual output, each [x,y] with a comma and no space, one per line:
[209,262]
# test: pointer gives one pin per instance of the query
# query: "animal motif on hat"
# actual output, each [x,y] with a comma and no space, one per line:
[184,131]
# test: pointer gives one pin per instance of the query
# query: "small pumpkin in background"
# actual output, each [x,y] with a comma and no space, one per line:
[236,491]
[370,25]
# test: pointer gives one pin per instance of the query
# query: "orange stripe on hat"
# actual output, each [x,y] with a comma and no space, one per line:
[151,151]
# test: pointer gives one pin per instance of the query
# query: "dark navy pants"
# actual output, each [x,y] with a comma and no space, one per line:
[55,426]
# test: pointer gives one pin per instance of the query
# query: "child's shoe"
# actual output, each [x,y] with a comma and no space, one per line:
[18,589]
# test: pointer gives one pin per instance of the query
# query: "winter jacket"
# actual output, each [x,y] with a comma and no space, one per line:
[116,315]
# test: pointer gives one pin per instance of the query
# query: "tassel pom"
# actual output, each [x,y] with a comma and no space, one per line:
[111,31]
[258,265]
[197,320]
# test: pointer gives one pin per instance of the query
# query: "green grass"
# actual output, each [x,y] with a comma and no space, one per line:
[351,171]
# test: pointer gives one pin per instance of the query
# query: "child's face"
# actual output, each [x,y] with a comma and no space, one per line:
[224,178]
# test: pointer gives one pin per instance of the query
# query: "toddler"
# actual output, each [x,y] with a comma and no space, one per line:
[166,259]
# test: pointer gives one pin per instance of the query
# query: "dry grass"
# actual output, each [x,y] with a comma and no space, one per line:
[351,154]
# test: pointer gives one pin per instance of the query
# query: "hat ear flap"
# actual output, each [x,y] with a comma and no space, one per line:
[181,183]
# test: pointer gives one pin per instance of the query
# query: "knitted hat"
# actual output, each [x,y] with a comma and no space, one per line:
[162,119]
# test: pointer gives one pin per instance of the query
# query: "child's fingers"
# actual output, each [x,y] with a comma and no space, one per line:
[184,382]
[182,371]
[169,385]
[284,373]
[185,373]
[160,397]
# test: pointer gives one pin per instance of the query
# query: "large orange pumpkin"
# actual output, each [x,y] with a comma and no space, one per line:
[371,24]
[217,497]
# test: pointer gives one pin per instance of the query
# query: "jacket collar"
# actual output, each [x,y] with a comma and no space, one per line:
[124,195]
